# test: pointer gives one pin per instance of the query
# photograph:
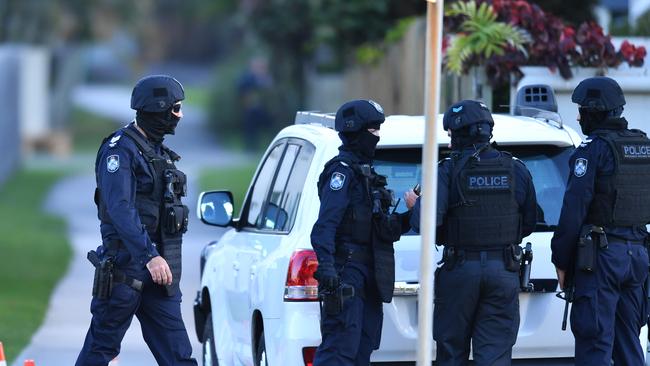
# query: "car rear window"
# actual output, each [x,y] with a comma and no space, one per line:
[547,164]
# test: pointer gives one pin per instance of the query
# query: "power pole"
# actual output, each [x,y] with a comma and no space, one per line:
[430,181]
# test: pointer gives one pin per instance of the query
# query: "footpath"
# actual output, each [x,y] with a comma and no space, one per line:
[59,339]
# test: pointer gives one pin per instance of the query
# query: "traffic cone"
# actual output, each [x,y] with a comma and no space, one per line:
[3,361]
[29,363]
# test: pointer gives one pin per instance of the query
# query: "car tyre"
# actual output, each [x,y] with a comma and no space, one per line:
[260,355]
[209,350]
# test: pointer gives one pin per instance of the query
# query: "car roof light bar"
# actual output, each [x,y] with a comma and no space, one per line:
[309,117]
[538,101]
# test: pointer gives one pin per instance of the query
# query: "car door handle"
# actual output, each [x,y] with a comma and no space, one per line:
[235,266]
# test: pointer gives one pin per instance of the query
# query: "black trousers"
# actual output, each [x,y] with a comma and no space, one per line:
[477,303]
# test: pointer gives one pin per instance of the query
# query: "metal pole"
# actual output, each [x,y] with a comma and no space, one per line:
[430,181]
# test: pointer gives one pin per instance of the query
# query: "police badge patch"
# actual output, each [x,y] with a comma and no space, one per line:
[580,167]
[113,163]
[337,180]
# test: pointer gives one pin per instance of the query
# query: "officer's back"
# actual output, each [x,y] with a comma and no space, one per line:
[486,204]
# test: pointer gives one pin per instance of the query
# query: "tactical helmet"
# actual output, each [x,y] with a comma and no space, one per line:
[467,113]
[156,93]
[598,94]
[358,114]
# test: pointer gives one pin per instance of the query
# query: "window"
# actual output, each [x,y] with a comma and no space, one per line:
[275,216]
[273,202]
[547,164]
[262,183]
[296,183]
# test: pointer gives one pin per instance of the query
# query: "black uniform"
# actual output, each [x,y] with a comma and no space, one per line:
[141,214]
[486,205]
[607,188]
[356,263]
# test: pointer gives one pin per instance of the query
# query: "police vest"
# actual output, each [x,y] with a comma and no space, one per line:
[369,223]
[357,220]
[486,214]
[161,210]
[623,198]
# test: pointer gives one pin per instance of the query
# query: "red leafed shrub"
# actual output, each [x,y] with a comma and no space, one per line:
[553,44]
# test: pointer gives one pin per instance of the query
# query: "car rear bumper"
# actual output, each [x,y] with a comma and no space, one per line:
[540,340]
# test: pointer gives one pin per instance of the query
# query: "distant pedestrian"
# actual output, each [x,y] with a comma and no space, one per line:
[142,220]
[253,86]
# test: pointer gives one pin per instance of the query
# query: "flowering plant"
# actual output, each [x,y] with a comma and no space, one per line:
[552,43]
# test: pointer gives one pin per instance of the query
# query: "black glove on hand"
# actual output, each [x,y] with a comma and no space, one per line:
[327,277]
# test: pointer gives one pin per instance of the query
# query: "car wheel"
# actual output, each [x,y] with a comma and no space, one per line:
[209,351]
[260,356]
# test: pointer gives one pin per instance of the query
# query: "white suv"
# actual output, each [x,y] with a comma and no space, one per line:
[257,304]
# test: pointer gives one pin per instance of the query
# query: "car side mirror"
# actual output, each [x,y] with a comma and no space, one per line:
[215,208]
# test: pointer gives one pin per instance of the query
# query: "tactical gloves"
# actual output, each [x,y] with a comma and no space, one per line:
[328,278]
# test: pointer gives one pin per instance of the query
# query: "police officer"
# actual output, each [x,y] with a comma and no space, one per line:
[353,240]
[607,200]
[486,205]
[142,220]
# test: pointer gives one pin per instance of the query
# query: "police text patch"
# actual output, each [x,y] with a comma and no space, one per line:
[113,163]
[337,180]
[580,167]
[488,182]
[636,151]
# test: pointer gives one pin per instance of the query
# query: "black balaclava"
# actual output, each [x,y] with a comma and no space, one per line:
[595,120]
[362,143]
[157,124]
[465,137]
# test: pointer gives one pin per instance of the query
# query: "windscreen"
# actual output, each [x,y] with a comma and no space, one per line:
[547,164]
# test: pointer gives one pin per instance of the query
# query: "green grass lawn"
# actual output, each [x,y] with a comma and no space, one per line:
[34,254]
[199,97]
[235,179]
[88,130]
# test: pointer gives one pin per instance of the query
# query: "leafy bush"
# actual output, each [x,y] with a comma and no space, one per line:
[480,35]
[553,44]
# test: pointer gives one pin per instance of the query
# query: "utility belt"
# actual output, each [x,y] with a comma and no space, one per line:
[332,300]
[515,259]
[106,274]
[592,239]
[451,256]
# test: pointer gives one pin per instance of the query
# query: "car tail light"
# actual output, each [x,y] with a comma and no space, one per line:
[301,285]
[308,354]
